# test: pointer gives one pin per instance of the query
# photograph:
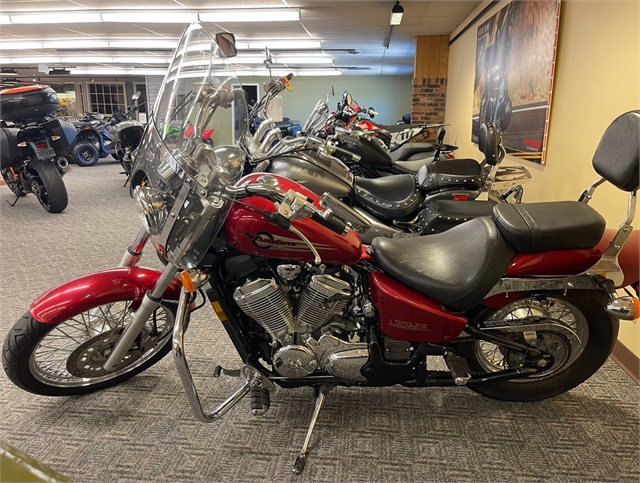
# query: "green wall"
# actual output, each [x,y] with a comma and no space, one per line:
[389,95]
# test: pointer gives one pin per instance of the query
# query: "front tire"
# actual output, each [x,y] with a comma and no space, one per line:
[581,311]
[48,186]
[66,359]
[86,154]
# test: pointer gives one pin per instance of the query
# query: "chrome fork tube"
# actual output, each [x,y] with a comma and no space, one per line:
[134,251]
[150,302]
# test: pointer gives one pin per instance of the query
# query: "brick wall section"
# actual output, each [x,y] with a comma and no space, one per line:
[428,100]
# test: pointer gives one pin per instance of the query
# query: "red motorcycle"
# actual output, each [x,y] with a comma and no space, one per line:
[521,305]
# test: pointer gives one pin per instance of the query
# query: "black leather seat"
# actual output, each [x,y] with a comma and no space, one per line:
[556,225]
[457,268]
[451,173]
[441,215]
[409,149]
[393,197]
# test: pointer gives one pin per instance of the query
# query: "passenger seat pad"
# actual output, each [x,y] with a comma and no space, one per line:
[441,215]
[395,197]
[450,173]
[556,225]
[456,268]
[408,149]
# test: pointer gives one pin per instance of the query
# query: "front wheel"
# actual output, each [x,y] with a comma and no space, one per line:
[48,186]
[573,331]
[66,359]
[86,154]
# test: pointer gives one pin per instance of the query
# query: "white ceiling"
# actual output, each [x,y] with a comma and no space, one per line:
[342,26]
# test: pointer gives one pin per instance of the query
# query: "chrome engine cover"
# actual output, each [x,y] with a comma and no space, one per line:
[295,361]
[314,309]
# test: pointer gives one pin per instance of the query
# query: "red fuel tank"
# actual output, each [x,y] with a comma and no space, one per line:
[248,231]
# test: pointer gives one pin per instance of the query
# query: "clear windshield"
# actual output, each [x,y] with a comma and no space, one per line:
[187,152]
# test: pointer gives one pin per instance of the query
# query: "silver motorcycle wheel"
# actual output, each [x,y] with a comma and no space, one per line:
[573,332]
[72,353]
[493,358]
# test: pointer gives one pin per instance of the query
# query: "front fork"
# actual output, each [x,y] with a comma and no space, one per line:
[151,301]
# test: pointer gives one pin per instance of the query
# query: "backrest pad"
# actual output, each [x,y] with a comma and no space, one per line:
[488,142]
[617,158]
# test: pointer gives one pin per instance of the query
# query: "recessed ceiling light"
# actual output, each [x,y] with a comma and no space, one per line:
[20,45]
[57,17]
[251,15]
[285,44]
[303,60]
[143,44]
[72,44]
[319,72]
[35,60]
[147,16]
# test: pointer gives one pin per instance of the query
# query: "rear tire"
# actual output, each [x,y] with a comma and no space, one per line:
[582,311]
[86,154]
[48,186]
[38,357]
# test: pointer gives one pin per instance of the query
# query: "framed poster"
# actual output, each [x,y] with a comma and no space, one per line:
[515,62]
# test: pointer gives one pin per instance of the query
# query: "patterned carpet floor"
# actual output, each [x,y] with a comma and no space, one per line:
[143,430]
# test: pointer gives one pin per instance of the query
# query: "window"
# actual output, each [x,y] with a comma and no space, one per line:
[106,98]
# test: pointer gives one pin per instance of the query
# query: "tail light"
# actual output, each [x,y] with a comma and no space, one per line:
[625,308]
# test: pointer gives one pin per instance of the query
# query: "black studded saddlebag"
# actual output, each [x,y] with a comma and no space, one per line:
[450,174]
[440,215]
[556,225]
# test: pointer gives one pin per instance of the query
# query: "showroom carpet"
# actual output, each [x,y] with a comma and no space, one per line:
[144,431]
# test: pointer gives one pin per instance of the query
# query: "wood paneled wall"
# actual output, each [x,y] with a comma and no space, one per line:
[432,57]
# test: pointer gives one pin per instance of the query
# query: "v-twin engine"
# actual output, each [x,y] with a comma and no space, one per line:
[321,300]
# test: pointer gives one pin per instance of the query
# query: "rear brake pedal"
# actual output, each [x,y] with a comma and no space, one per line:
[458,367]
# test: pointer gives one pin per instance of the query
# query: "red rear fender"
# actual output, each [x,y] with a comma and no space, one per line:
[84,293]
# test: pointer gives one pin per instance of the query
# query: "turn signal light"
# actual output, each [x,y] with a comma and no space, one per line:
[55,138]
[187,283]
[23,144]
[625,308]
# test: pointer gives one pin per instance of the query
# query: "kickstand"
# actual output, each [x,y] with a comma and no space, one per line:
[14,203]
[127,180]
[301,460]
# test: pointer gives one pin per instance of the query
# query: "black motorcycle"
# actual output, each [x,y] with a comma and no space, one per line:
[93,140]
[127,134]
[35,150]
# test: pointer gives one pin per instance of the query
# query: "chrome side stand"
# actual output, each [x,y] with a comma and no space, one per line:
[301,460]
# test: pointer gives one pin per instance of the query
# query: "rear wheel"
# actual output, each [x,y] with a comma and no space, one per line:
[67,358]
[48,186]
[573,331]
[86,154]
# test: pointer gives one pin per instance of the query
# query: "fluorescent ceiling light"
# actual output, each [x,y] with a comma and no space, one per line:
[319,72]
[35,60]
[274,72]
[74,44]
[143,44]
[285,44]
[150,16]
[20,45]
[160,72]
[303,60]
[4,19]
[247,60]
[105,71]
[251,15]
[4,60]
[56,18]
[140,60]
[87,60]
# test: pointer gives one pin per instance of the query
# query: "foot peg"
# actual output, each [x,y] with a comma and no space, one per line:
[260,400]
[221,371]
[459,368]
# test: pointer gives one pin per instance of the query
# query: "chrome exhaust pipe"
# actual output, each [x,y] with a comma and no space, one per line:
[62,164]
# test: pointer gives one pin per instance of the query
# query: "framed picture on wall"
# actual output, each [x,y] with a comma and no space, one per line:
[515,62]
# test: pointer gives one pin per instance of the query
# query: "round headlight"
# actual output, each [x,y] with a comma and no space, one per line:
[153,205]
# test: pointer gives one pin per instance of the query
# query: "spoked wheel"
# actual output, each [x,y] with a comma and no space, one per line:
[48,186]
[68,358]
[573,332]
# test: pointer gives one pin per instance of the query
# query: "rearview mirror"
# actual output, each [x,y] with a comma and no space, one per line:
[227,43]
[358,222]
